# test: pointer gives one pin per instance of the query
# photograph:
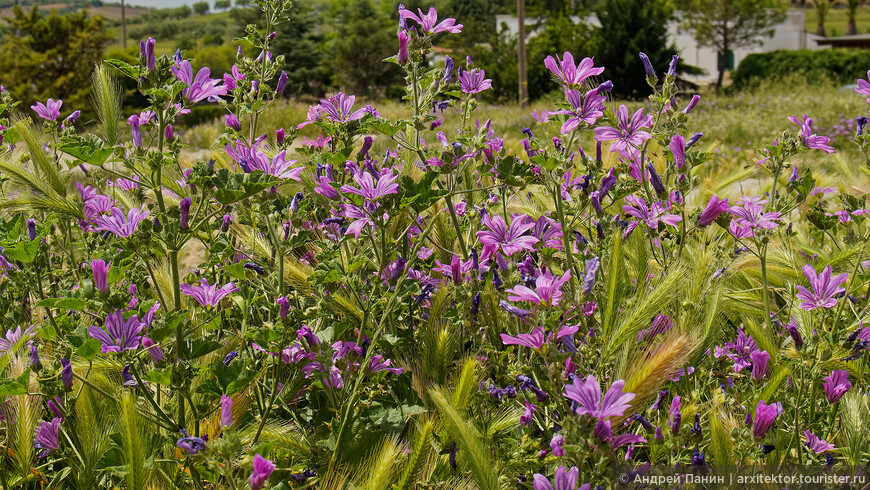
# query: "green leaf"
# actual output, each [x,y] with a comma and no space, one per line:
[232,187]
[127,69]
[159,376]
[24,252]
[89,349]
[242,381]
[87,150]
[63,303]
[201,347]
[236,271]
[15,386]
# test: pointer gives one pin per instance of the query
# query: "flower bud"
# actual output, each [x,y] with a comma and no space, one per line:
[282,82]
[225,223]
[284,303]
[168,133]
[692,103]
[694,139]
[66,374]
[448,69]
[672,68]
[232,122]
[280,134]
[185,212]
[402,57]
[31,229]
[647,66]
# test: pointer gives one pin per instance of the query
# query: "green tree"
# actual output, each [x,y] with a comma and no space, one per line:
[822,7]
[200,8]
[627,28]
[303,49]
[222,4]
[726,25]
[359,45]
[851,10]
[54,55]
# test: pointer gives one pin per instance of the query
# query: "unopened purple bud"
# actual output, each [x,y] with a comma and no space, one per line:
[239,51]
[647,66]
[66,374]
[294,205]
[56,407]
[862,122]
[795,334]
[147,49]
[34,355]
[133,121]
[282,82]
[448,69]
[101,271]
[153,350]
[672,68]
[168,133]
[72,118]
[557,143]
[605,87]
[156,224]
[366,146]
[229,357]
[232,122]
[185,212]
[692,103]
[598,152]
[280,134]
[404,38]
[496,280]
[225,223]
[694,139]
[284,303]
[527,132]
[654,179]
[178,58]
[272,36]
[31,229]
[794,174]
[659,436]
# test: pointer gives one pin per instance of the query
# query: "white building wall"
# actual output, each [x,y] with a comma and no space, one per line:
[790,34]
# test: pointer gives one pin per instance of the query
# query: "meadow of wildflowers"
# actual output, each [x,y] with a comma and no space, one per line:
[279,311]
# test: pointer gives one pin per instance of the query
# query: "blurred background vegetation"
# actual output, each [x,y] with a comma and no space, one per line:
[49,50]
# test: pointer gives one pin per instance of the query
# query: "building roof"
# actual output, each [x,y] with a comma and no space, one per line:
[853,41]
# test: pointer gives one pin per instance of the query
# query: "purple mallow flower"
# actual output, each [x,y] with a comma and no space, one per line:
[371,190]
[825,288]
[587,394]
[569,73]
[119,224]
[262,469]
[815,444]
[119,334]
[473,81]
[548,289]
[200,87]
[715,207]
[764,416]
[584,109]
[429,21]
[564,480]
[627,136]
[651,215]
[47,438]
[509,239]
[813,141]
[836,385]
[208,295]
[49,111]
